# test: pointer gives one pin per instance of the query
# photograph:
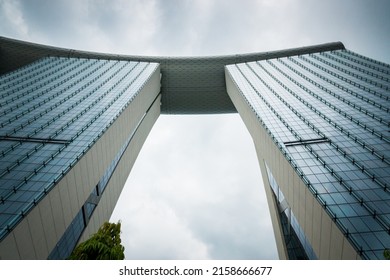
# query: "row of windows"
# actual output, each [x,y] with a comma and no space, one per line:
[52,126]
[376,84]
[31,72]
[343,61]
[350,166]
[362,103]
[61,92]
[305,92]
[346,81]
[363,61]
[349,129]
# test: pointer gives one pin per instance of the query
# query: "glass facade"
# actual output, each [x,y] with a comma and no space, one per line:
[52,112]
[328,113]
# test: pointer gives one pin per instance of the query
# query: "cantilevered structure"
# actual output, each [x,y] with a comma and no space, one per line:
[73,122]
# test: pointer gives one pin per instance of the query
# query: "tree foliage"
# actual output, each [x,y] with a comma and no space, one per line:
[103,245]
[386,254]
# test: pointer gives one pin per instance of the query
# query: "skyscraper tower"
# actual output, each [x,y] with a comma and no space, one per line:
[72,124]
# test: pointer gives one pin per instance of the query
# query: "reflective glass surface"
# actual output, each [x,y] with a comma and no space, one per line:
[52,112]
[329,115]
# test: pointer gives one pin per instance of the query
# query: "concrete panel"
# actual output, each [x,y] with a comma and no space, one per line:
[82,192]
[309,222]
[99,157]
[326,230]
[24,241]
[316,240]
[8,248]
[349,252]
[93,178]
[37,234]
[86,182]
[114,187]
[75,204]
[291,189]
[48,223]
[103,152]
[336,243]
[56,209]
[62,188]
[86,178]
[284,180]
[301,214]
[295,202]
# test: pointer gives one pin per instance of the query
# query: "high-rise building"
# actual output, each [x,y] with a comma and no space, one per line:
[72,124]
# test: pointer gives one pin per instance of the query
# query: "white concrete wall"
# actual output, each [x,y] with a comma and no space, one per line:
[113,190]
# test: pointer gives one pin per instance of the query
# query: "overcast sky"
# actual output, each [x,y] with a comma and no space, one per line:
[196,191]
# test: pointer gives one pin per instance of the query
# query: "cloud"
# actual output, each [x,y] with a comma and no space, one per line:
[133,23]
[203,169]
[104,26]
[12,20]
[153,230]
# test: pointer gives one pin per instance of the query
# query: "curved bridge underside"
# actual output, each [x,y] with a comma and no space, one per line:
[189,85]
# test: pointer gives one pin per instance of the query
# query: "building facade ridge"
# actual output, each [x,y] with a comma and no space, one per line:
[76,53]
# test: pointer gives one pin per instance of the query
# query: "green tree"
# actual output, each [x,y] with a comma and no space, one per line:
[386,254]
[103,245]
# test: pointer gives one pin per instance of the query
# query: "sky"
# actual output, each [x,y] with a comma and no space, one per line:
[195,191]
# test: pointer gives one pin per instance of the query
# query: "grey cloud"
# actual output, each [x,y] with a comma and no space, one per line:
[224,214]
[154,231]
